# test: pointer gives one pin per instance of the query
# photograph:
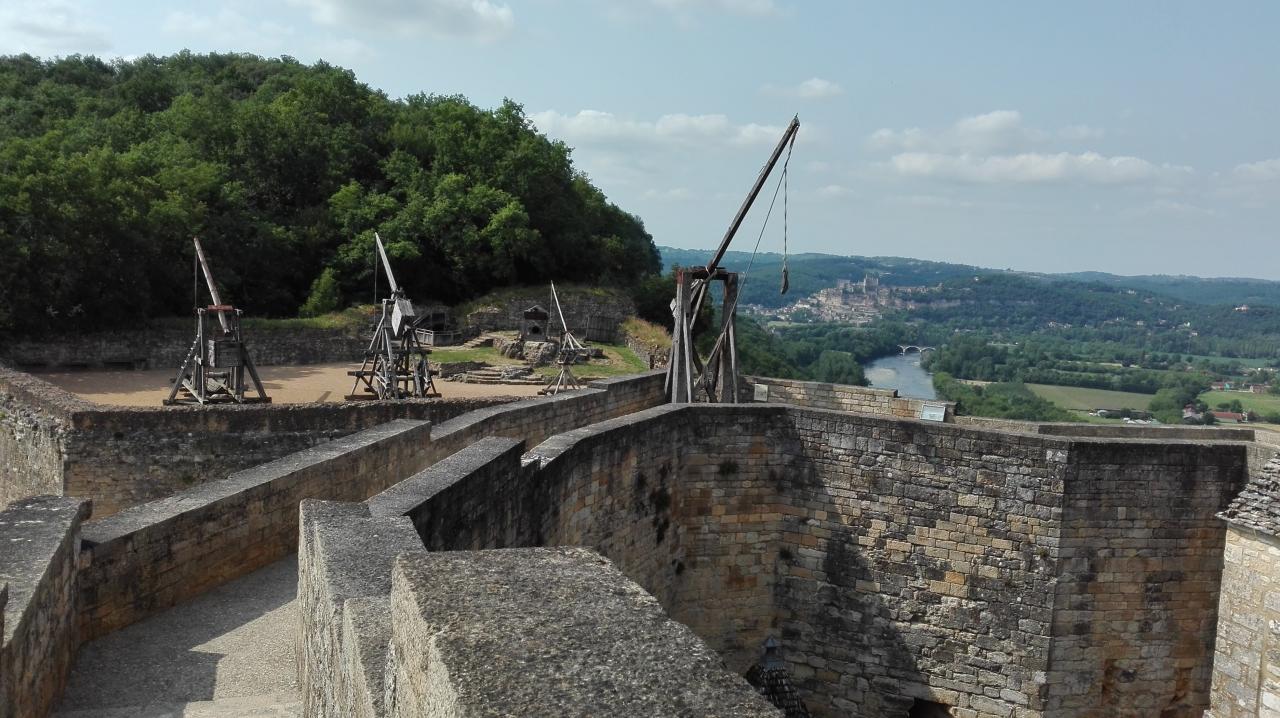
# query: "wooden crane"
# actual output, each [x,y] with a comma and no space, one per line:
[688,377]
[218,362]
[395,364]
[571,350]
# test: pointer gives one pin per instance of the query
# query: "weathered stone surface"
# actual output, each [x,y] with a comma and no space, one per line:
[51,442]
[546,632]
[155,555]
[344,554]
[839,397]
[38,553]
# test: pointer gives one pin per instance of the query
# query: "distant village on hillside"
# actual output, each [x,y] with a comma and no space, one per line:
[849,301]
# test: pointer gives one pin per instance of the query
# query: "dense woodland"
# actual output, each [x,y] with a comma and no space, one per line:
[285,170]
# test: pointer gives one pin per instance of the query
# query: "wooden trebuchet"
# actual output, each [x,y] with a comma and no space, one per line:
[571,350]
[689,378]
[218,363]
[395,364]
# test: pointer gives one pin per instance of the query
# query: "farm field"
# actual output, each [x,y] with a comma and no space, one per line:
[1261,403]
[1082,399]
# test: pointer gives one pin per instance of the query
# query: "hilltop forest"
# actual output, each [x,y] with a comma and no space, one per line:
[285,170]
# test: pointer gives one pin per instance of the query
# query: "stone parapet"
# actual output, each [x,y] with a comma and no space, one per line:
[592,642]
[150,557]
[39,539]
[839,397]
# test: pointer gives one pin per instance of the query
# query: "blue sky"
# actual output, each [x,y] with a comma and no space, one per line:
[1134,137]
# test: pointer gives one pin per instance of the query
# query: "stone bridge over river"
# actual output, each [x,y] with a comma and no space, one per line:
[605,553]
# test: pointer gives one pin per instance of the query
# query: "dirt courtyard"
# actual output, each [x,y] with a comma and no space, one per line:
[284,384]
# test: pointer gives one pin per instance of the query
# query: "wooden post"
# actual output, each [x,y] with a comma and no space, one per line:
[728,368]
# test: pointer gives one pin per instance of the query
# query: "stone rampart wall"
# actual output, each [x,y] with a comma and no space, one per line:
[921,564]
[52,442]
[148,558]
[39,541]
[838,397]
[1137,592]
[897,560]
[166,347]
[1246,667]
[32,430]
[157,554]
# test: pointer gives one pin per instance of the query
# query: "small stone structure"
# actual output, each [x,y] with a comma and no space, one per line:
[533,324]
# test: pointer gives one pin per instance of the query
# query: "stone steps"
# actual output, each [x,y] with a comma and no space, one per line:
[482,340]
[501,375]
[278,705]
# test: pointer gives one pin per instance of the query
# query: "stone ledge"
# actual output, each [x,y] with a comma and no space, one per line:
[547,632]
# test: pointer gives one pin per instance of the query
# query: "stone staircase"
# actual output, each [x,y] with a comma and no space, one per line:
[279,705]
[500,375]
[484,340]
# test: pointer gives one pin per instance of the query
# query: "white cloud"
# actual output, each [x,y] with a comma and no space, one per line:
[738,7]
[1263,171]
[1081,132]
[1033,168]
[1001,129]
[475,19]
[929,200]
[989,132]
[595,127]
[815,88]
[227,26]
[49,27]
[1171,207]
[834,191]
[673,194]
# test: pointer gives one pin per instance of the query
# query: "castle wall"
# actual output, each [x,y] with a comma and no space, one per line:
[152,556]
[32,432]
[122,457]
[838,397]
[897,560]
[165,347]
[921,564]
[39,540]
[52,442]
[1137,594]
[1246,667]
[594,642]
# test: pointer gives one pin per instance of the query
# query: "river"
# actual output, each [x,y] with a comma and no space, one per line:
[902,372]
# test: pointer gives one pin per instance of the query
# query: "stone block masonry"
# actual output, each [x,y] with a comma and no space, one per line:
[39,541]
[52,442]
[839,397]
[1002,575]
[1246,666]
[165,347]
[155,555]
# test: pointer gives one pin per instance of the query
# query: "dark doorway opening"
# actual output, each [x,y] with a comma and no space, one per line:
[929,709]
